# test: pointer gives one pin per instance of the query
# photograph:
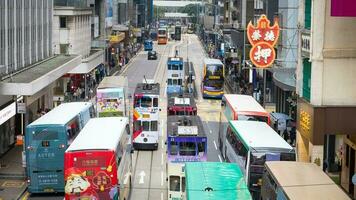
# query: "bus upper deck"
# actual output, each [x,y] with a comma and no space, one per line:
[181,104]
[46,140]
[213,78]
[175,75]
[98,162]
[148,45]
[146,116]
[214,180]
[298,180]
[186,139]
[112,97]
[162,35]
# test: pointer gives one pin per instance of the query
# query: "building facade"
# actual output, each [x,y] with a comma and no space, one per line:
[326,107]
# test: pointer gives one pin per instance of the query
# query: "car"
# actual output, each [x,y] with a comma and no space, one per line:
[152,55]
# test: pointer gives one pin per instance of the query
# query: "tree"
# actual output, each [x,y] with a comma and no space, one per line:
[192,10]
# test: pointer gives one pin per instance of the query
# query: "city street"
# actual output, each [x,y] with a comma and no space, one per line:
[149,167]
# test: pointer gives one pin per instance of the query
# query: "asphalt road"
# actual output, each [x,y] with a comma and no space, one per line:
[149,175]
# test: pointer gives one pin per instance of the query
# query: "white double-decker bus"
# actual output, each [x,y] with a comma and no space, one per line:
[146,116]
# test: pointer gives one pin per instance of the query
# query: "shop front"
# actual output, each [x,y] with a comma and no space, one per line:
[7,126]
[326,136]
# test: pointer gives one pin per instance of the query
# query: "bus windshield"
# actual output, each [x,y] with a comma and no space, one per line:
[187,148]
[261,158]
[253,118]
[161,32]
[218,84]
[214,70]
[175,67]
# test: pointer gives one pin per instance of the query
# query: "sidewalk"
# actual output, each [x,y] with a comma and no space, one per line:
[12,175]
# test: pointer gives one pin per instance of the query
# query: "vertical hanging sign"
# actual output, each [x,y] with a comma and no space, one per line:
[263,38]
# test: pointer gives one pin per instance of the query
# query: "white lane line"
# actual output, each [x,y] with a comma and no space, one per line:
[161,195]
[162,159]
[162,144]
[215,145]
[161,178]
[220,158]
[211,131]
[161,132]
[165,92]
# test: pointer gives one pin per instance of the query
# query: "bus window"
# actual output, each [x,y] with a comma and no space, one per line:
[201,148]
[183,184]
[127,129]
[175,81]
[169,81]
[169,67]
[154,126]
[174,183]
[146,125]
[180,67]
[175,67]
[174,148]
[187,148]
[146,102]
[179,81]
[137,125]
[45,135]
[237,145]
[288,157]
[155,102]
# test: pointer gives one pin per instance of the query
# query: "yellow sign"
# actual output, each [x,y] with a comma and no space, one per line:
[214,77]
[116,38]
[146,116]
[305,121]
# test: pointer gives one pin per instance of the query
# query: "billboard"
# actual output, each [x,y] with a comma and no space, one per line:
[343,8]
[109,13]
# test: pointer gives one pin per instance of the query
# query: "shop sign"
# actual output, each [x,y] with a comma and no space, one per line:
[21,108]
[263,38]
[305,122]
[7,113]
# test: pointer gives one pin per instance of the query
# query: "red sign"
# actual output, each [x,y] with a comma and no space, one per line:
[263,37]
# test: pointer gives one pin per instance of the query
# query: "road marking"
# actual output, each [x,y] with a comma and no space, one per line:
[211,131]
[165,92]
[161,178]
[127,175]
[215,145]
[162,159]
[162,144]
[25,197]
[220,158]
[161,195]
[142,177]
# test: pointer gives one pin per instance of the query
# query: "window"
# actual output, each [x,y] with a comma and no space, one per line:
[175,67]
[173,148]
[146,102]
[137,125]
[239,149]
[175,81]
[45,135]
[62,22]
[201,147]
[179,81]
[154,126]
[169,81]
[183,184]
[174,183]
[306,79]
[169,67]
[146,125]
[127,129]
[155,102]
[180,67]
[187,149]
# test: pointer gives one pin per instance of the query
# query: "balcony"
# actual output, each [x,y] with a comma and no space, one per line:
[305,43]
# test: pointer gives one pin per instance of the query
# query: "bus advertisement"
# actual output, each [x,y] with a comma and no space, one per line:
[239,107]
[146,116]
[112,100]
[186,142]
[98,163]
[46,140]
[213,78]
[250,144]
[175,75]
[162,36]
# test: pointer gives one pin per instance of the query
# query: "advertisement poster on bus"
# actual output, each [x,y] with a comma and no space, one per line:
[110,102]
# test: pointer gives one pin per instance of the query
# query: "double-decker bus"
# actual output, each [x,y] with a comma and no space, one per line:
[98,163]
[181,104]
[46,140]
[148,45]
[146,116]
[162,36]
[186,142]
[112,97]
[239,107]
[175,75]
[250,144]
[213,78]
[177,32]
[214,180]
[298,180]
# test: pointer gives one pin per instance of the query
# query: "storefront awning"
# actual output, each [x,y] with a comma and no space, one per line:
[88,64]
[114,39]
[285,79]
[39,76]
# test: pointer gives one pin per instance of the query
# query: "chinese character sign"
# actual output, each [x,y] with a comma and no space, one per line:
[262,37]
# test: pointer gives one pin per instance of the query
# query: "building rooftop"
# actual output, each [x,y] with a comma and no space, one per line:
[39,75]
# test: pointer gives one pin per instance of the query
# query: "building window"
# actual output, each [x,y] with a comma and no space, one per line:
[62,22]
[306,79]
[307,14]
